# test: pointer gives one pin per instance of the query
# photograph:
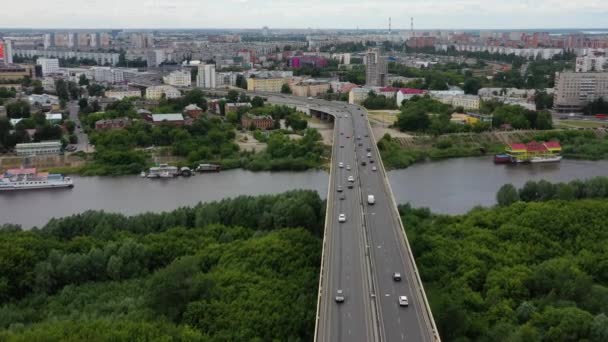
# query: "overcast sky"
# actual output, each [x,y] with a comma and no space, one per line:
[449,14]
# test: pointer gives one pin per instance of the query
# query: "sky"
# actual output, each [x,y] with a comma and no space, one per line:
[343,14]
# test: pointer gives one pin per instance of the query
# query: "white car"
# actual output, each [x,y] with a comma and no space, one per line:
[340,296]
[403,301]
[348,167]
[374,168]
[346,116]
[369,155]
[351,179]
[342,218]
[340,164]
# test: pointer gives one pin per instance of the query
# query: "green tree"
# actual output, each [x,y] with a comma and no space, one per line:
[507,195]
[257,102]
[232,96]
[285,89]
[472,86]
[83,80]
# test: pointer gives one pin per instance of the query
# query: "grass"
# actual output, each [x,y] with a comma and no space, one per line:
[581,124]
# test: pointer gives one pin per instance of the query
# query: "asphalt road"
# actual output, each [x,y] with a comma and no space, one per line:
[83,139]
[362,254]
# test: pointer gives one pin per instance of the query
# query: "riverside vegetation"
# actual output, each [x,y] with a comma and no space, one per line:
[530,271]
[208,139]
[213,272]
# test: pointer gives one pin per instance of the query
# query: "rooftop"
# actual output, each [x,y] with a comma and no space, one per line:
[167,117]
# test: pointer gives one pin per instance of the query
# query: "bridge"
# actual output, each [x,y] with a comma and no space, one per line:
[361,255]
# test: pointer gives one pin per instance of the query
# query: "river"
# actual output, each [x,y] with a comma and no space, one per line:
[134,195]
[451,186]
[454,186]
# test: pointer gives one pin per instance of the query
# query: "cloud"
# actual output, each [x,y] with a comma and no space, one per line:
[312,13]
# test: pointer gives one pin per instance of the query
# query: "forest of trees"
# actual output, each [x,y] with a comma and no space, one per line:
[545,191]
[210,272]
[526,272]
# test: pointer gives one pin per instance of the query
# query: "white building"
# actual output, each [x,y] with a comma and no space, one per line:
[121,94]
[48,83]
[470,102]
[156,92]
[178,78]
[573,90]
[8,51]
[358,95]
[112,75]
[49,65]
[36,149]
[206,76]
[592,62]
[225,79]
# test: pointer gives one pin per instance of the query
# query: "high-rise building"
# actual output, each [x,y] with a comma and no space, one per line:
[592,62]
[206,76]
[48,65]
[376,69]
[573,90]
[6,52]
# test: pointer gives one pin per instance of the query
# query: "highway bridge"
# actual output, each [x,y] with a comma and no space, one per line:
[362,254]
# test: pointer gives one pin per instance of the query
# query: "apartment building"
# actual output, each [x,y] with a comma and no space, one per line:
[270,85]
[376,69]
[121,94]
[178,78]
[156,92]
[573,90]
[206,76]
[48,65]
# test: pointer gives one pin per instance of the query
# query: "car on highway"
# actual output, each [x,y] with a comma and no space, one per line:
[342,197]
[374,168]
[363,163]
[351,179]
[397,276]
[360,144]
[403,301]
[339,189]
[358,137]
[341,218]
[341,133]
[346,116]
[371,199]
[348,167]
[341,146]
[350,185]
[369,155]
[371,161]
[369,149]
[340,296]
[340,164]
[367,135]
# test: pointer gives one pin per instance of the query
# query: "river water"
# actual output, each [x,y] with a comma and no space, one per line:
[452,186]
[134,195]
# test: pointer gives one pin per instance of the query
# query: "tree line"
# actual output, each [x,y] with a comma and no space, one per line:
[526,272]
[209,272]
[546,191]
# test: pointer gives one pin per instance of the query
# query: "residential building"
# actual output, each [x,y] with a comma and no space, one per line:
[358,95]
[408,93]
[193,111]
[156,92]
[37,149]
[573,90]
[258,121]
[102,58]
[121,94]
[16,72]
[270,85]
[112,123]
[309,88]
[466,101]
[54,118]
[206,77]
[233,107]
[225,79]
[6,52]
[43,100]
[178,78]
[376,69]
[342,58]
[48,65]
[592,62]
[173,118]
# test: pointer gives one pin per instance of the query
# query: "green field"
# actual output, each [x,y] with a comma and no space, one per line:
[581,124]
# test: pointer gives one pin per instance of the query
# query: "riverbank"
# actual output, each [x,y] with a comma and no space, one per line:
[402,152]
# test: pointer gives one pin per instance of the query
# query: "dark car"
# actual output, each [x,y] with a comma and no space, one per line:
[369,149]
[350,185]
[363,163]
[371,161]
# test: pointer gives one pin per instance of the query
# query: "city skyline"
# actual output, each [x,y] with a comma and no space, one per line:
[332,14]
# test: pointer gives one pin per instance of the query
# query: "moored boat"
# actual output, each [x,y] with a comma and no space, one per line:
[30,179]
[502,159]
